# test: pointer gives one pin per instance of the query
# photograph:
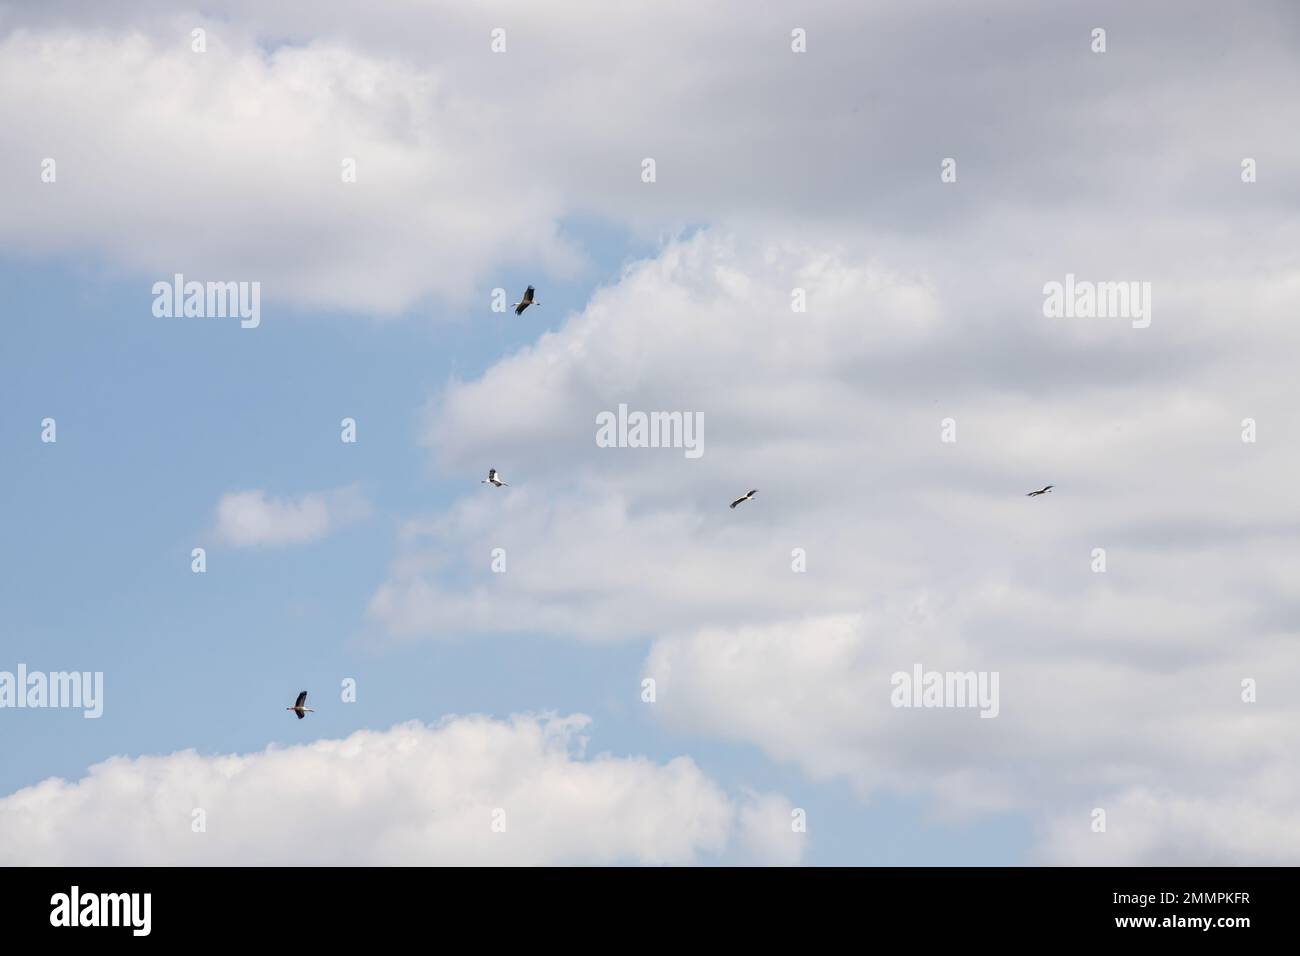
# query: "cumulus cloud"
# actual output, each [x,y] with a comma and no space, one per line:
[1139,734]
[836,415]
[589,522]
[1260,825]
[917,550]
[250,519]
[229,165]
[470,161]
[410,795]
[769,830]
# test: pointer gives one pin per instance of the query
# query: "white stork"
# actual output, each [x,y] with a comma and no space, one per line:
[525,302]
[494,479]
[298,707]
[1040,491]
[748,495]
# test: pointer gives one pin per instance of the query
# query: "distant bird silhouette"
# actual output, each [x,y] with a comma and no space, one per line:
[493,479]
[748,495]
[525,302]
[1041,491]
[298,707]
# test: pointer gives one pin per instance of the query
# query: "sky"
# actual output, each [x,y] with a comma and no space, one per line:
[824,230]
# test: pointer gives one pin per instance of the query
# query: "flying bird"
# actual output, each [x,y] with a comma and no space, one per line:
[493,479]
[298,707]
[748,495]
[1041,491]
[525,302]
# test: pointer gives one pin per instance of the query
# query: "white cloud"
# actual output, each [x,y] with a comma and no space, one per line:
[917,551]
[1187,771]
[227,165]
[227,162]
[250,518]
[1260,826]
[410,795]
[767,832]
[835,416]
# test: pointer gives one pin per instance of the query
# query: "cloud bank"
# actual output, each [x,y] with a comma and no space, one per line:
[469,791]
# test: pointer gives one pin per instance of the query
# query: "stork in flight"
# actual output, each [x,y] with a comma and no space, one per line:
[1041,491]
[525,302]
[748,495]
[298,707]
[494,479]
